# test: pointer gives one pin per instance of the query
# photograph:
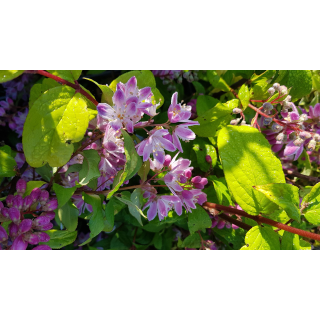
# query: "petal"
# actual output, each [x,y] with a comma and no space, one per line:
[168,145]
[131,86]
[118,98]
[176,142]
[144,93]
[131,109]
[316,110]
[178,207]
[147,149]
[294,116]
[140,147]
[105,111]
[132,99]
[174,99]
[144,105]
[116,124]
[298,154]
[185,133]
[129,126]
[311,113]
[276,147]
[290,149]
[152,212]
[162,208]
[159,156]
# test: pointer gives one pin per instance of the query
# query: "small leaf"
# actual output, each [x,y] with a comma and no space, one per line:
[45,172]
[32,185]
[192,241]
[217,81]
[205,103]
[109,213]
[144,170]
[284,195]
[198,219]
[68,215]
[63,194]
[90,166]
[157,241]
[107,92]
[199,87]
[59,239]
[8,75]
[202,148]
[69,75]
[7,164]
[261,238]
[290,241]
[222,191]
[244,96]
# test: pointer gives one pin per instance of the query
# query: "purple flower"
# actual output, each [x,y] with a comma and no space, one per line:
[51,205]
[161,205]
[3,234]
[25,226]
[189,198]
[19,243]
[178,112]
[42,247]
[155,144]
[314,112]
[2,112]
[14,215]
[184,133]
[21,186]
[13,230]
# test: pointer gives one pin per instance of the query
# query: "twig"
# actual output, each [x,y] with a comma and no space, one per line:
[301,176]
[236,222]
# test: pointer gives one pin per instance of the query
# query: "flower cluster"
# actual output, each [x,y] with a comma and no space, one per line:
[23,231]
[168,77]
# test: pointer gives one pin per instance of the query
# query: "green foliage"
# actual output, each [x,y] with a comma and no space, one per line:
[221,189]
[8,75]
[68,215]
[198,219]
[39,89]
[261,238]
[57,119]
[284,195]
[63,194]
[90,166]
[231,236]
[144,170]
[192,241]
[244,96]
[202,148]
[7,162]
[215,119]
[248,161]
[60,239]
[311,203]
[107,92]
[32,185]
[69,75]
[217,81]
[205,103]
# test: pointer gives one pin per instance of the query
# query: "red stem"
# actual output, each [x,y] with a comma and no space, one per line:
[72,85]
[261,219]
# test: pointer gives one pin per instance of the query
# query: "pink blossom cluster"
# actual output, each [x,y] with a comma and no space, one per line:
[21,231]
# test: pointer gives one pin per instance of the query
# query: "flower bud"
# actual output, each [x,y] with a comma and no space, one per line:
[51,205]
[234,122]
[31,238]
[21,186]
[3,234]
[42,247]
[188,173]
[196,179]
[304,135]
[303,117]
[5,212]
[13,230]
[43,237]
[288,98]
[283,90]
[198,186]
[267,106]
[27,203]
[208,159]
[311,145]
[167,160]
[287,105]
[280,136]
[204,181]
[49,214]
[40,221]
[35,194]
[183,179]
[276,127]
[243,122]
[298,142]
[9,200]
[19,244]
[236,110]
[46,227]
[14,215]
[17,202]
[271,91]
[25,226]
[267,121]
[316,137]
[276,86]
[44,196]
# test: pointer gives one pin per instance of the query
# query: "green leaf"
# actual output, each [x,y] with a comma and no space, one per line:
[145,78]
[134,210]
[69,75]
[68,215]
[248,161]
[307,167]
[58,118]
[107,92]
[284,195]
[222,191]
[90,166]
[205,103]
[202,148]
[63,194]
[217,81]
[45,172]
[144,170]
[304,245]
[38,89]
[192,241]
[215,119]
[198,219]
[7,164]
[199,87]
[59,239]
[235,237]
[290,241]
[311,203]
[244,96]
[299,80]
[8,75]
[32,185]
[313,195]
[157,241]
[74,168]
[110,211]
[261,238]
